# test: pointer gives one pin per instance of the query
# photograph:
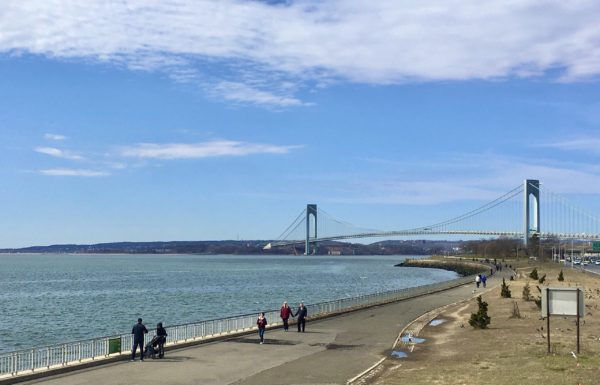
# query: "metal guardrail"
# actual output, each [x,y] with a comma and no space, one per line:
[74,353]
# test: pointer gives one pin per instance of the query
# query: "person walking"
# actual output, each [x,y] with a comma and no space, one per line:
[285,314]
[162,339]
[301,313]
[483,280]
[478,280]
[138,332]
[262,325]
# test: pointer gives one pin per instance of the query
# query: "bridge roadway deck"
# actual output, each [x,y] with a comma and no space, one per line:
[331,351]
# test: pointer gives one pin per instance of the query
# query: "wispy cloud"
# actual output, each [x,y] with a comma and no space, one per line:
[243,93]
[54,137]
[480,177]
[583,144]
[73,172]
[58,153]
[202,150]
[219,43]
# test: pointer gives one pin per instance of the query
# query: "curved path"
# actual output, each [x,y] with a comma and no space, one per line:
[331,351]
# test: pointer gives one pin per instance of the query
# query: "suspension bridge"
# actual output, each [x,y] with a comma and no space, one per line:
[516,214]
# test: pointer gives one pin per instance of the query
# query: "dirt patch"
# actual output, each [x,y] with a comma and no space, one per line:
[512,350]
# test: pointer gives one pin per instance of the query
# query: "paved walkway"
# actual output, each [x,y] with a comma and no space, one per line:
[330,352]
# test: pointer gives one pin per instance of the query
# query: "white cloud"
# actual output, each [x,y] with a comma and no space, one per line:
[72,172]
[202,150]
[54,137]
[240,92]
[219,43]
[58,153]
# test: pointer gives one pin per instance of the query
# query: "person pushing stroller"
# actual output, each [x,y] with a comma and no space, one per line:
[157,343]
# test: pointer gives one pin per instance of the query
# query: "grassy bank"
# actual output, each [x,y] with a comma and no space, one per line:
[464,268]
[513,349]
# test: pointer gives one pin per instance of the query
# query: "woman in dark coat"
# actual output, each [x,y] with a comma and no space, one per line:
[262,325]
[162,333]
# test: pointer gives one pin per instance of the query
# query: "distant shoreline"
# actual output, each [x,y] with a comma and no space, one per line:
[247,247]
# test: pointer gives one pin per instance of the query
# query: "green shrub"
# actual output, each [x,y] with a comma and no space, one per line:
[542,279]
[534,274]
[480,320]
[560,276]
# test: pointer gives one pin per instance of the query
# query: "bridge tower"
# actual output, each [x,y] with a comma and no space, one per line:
[311,209]
[532,203]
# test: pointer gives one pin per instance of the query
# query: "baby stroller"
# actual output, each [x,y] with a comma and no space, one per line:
[152,347]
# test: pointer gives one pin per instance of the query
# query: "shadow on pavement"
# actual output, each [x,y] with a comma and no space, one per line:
[268,341]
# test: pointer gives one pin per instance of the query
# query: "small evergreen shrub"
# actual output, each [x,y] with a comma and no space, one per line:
[480,320]
[542,279]
[527,292]
[534,274]
[560,276]
[504,290]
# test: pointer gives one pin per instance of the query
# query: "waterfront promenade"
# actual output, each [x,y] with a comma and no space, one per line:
[331,351]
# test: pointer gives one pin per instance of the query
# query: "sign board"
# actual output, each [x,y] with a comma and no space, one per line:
[114,345]
[595,246]
[562,301]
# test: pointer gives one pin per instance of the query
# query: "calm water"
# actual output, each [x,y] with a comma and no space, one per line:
[48,299]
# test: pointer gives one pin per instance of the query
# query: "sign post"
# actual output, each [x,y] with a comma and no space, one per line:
[562,301]
[595,246]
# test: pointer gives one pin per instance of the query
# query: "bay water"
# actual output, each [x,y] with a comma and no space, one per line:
[50,298]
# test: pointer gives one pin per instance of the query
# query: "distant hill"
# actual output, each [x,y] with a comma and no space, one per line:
[411,247]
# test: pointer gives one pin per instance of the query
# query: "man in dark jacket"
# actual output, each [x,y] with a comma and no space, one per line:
[138,332]
[302,313]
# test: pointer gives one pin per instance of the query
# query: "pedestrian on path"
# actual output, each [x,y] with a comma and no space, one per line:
[162,339]
[478,280]
[285,314]
[301,313]
[138,332]
[483,280]
[262,325]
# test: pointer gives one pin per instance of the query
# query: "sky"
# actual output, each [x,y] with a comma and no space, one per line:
[159,120]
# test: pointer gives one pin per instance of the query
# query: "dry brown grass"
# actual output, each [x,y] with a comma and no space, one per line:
[512,350]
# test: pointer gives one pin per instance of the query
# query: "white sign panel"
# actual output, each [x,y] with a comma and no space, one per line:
[562,301]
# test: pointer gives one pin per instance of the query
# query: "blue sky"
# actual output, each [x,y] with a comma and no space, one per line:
[152,120]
